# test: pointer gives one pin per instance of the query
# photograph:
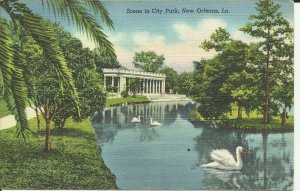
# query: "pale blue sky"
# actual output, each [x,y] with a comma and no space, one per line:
[177,36]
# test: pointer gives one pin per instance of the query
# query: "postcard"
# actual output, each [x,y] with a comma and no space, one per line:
[147,95]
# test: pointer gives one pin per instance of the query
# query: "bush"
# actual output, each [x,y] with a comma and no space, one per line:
[124,94]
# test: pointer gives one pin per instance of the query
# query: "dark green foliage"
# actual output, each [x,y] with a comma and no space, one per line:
[213,102]
[12,85]
[103,60]
[124,94]
[171,79]
[135,86]
[185,83]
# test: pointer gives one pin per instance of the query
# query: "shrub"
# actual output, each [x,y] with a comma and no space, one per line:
[124,94]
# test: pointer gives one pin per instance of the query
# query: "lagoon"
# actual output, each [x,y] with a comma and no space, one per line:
[169,157]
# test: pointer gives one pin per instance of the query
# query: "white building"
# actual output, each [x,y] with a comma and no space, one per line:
[152,83]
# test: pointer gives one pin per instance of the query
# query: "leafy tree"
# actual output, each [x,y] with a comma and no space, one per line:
[240,80]
[12,83]
[171,78]
[135,86]
[217,40]
[213,101]
[148,61]
[185,83]
[197,77]
[104,60]
[57,104]
[82,64]
[284,91]
[235,79]
[270,26]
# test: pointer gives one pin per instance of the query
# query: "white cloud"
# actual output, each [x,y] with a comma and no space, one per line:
[86,42]
[179,55]
[239,35]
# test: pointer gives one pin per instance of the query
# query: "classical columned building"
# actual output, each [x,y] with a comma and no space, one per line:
[151,83]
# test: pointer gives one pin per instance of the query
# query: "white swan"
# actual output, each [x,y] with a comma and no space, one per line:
[136,119]
[154,123]
[224,160]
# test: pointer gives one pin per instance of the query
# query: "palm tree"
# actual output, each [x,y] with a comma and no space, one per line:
[15,15]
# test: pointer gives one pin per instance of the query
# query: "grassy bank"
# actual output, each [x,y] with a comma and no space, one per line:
[130,99]
[251,122]
[74,163]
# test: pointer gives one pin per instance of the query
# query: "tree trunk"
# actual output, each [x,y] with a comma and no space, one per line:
[47,136]
[240,113]
[283,117]
[266,101]
[38,121]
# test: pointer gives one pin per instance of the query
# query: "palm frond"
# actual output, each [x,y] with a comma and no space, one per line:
[75,11]
[99,8]
[19,93]
[13,87]
[43,33]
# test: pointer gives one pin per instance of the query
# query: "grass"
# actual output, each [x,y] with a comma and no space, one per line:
[251,122]
[74,163]
[3,109]
[130,99]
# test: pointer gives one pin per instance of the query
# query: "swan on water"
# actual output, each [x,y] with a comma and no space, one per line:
[136,119]
[154,123]
[224,160]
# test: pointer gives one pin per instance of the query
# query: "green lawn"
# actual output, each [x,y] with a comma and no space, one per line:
[3,109]
[74,163]
[130,99]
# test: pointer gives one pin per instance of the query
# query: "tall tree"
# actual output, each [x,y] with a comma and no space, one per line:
[135,86]
[236,77]
[148,61]
[171,78]
[12,81]
[185,83]
[104,60]
[271,27]
[55,104]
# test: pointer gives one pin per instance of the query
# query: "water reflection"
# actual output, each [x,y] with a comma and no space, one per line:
[170,155]
[228,179]
[108,121]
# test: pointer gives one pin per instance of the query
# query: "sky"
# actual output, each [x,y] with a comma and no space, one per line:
[175,35]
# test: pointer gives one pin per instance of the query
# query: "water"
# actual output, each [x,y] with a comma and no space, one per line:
[168,157]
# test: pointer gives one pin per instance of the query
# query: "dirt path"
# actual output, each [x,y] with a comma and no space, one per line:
[9,121]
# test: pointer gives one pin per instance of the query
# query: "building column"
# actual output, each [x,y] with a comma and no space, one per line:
[159,91]
[150,91]
[155,86]
[122,84]
[163,86]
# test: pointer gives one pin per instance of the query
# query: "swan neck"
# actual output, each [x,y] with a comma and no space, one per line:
[239,158]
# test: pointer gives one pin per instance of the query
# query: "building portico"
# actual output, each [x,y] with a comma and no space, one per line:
[151,83]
